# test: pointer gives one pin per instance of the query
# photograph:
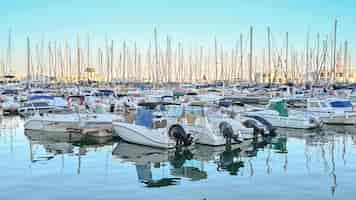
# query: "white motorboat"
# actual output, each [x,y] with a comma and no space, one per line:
[214,129]
[154,131]
[70,121]
[42,104]
[332,111]
[278,115]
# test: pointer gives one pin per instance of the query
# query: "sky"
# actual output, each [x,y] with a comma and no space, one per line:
[191,21]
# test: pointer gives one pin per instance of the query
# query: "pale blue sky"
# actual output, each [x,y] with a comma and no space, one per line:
[194,21]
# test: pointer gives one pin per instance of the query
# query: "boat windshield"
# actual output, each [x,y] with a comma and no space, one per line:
[279,106]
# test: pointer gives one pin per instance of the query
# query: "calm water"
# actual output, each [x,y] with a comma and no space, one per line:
[293,165]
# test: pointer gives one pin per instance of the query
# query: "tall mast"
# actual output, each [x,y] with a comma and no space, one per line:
[88,51]
[345,61]
[317,70]
[269,55]
[107,59]
[334,52]
[251,55]
[216,60]
[287,40]
[112,60]
[9,56]
[78,60]
[124,61]
[307,59]
[135,61]
[241,60]
[28,63]
[156,55]
[222,72]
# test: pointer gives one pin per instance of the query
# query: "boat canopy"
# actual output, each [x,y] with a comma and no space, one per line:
[280,106]
[144,118]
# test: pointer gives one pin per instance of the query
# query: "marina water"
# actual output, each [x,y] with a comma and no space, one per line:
[293,165]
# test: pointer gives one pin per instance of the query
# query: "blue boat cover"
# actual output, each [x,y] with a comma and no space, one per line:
[144,118]
[7,92]
[341,104]
[41,97]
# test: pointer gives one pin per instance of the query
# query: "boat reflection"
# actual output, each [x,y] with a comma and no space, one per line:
[45,146]
[175,165]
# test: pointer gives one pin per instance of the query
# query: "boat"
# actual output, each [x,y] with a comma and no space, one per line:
[277,114]
[213,128]
[9,101]
[332,111]
[42,104]
[87,123]
[152,129]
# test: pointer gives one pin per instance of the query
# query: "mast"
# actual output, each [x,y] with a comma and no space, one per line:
[334,52]
[269,55]
[251,55]
[112,61]
[156,55]
[287,56]
[28,63]
[107,59]
[345,61]
[241,60]
[307,59]
[124,61]
[78,60]
[88,51]
[9,56]
[317,71]
[135,60]
[216,60]
[222,72]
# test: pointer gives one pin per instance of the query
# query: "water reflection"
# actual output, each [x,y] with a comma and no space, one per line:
[44,146]
[318,160]
[173,164]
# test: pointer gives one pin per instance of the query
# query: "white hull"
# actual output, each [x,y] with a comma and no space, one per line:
[339,119]
[65,122]
[295,122]
[144,136]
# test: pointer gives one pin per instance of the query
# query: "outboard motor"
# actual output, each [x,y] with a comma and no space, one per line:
[266,123]
[253,124]
[178,133]
[112,108]
[227,131]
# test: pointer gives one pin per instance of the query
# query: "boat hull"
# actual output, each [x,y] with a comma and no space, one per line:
[144,136]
